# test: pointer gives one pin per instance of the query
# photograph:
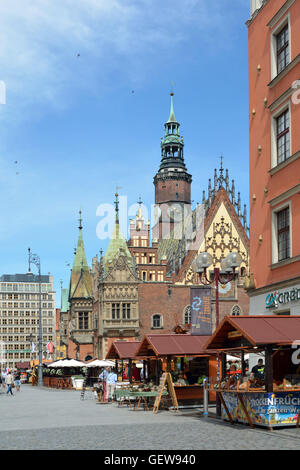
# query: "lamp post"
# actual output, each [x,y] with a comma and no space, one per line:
[35,259]
[30,342]
[228,266]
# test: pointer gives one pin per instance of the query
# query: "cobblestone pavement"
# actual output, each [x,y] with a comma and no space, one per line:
[57,419]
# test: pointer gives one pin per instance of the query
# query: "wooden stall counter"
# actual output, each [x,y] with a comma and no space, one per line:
[255,406]
[189,392]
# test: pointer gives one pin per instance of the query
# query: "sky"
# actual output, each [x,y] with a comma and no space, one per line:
[87,86]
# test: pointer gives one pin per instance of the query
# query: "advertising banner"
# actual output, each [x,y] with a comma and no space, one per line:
[265,409]
[201,321]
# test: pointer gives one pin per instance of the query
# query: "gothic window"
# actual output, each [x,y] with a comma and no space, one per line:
[187,315]
[236,311]
[157,321]
[126,311]
[243,272]
[115,311]
[83,320]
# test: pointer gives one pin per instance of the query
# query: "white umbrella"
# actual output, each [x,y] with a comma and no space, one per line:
[100,363]
[56,364]
[72,363]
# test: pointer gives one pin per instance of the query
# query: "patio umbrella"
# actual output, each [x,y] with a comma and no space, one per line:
[56,364]
[72,363]
[100,363]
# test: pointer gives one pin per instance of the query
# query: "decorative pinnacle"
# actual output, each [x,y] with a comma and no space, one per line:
[80,220]
[117,206]
[221,168]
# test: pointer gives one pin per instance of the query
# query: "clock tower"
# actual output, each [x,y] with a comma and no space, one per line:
[172,181]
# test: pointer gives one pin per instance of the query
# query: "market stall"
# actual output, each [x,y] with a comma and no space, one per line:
[269,394]
[65,373]
[123,353]
[182,355]
[25,370]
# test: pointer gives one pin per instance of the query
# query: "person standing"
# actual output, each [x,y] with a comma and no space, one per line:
[18,380]
[9,380]
[103,378]
[258,371]
[111,381]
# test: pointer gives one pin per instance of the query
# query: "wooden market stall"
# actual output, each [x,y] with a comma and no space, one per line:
[123,351]
[271,399]
[186,351]
[24,368]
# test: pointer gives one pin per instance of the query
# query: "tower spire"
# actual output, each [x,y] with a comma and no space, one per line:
[117,207]
[172,114]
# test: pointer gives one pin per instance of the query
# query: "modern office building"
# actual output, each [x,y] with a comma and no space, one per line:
[19,317]
[274,123]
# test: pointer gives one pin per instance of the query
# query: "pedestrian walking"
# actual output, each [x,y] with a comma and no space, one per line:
[3,377]
[9,380]
[17,380]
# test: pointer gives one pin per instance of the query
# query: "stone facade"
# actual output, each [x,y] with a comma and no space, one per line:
[140,287]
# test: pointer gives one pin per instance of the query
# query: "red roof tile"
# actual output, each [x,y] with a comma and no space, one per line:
[258,330]
[172,345]
[122,350]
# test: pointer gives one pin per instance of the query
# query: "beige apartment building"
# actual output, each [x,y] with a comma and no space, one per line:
[19,317]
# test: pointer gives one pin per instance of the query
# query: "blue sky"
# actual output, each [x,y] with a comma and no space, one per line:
[87,95]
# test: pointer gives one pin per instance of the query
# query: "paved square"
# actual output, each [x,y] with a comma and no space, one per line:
[57,419]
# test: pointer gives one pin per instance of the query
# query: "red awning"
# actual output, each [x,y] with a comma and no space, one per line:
[172,345]
[23,365]
[257,330]
[122,350]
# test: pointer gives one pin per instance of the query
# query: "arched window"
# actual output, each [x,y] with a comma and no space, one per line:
[236,311]
[157,321]
[243,271]
[187,315]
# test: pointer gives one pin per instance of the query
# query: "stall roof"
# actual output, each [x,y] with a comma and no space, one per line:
[257,330]
[23,365]
[122,350]
[172,345]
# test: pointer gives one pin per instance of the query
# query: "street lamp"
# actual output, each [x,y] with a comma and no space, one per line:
[35,259]
[228,266]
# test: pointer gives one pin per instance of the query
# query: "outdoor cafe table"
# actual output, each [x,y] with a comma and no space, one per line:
[137,396]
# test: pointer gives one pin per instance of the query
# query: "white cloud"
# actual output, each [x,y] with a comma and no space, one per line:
[40,40]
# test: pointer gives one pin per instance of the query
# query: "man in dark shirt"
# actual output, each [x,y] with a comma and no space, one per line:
[259,370]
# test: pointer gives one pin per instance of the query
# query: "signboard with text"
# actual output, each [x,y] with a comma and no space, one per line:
[201,321]
[265,409]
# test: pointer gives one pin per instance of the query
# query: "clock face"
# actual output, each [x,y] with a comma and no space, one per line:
[224,288]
